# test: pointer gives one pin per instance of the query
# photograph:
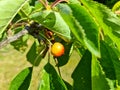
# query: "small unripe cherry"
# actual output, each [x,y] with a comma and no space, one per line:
[57,49]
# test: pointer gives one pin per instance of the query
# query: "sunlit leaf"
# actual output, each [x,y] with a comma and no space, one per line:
[45,81]
[116,6]
[25,10]
[8,10]
[108,21]
[75,28]
[52,20]
[55,81]
[88,26]
[22,80]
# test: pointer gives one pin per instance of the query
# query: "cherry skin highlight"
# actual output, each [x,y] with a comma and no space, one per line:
[57,49]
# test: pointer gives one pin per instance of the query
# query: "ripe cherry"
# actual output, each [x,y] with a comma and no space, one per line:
[57,49]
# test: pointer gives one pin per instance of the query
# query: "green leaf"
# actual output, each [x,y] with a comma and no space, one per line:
[38,6]
[74,1]
[55,81]
[65,58]
[69,87]
[22,80]
[116,6]
[88,26]
[107,20]
[8,10]
[112,45]
[32,2]
[82,73]
[88,74]
[75,28]
[40,16]
[99,81]
[45,81]
[36,53]
[25,10]
[110,62]
[52,20]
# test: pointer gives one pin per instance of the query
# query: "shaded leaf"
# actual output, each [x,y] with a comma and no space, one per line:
[22,80]
[32,2]
[69,87]
[8,10]
[99,81]
[110,62]
[82,73]
[106,62]
[36,53]
[112,45]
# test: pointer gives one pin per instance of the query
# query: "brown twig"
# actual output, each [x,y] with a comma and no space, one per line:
[56,2]
[13,38]
[56,62]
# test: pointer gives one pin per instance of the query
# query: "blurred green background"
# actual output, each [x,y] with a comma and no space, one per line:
[13,61]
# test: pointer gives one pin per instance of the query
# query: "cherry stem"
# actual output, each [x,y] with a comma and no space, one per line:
[101,34]
[57,2]
[49,51]
[57,66]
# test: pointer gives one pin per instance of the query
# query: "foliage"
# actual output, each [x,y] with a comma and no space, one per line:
[108,3]
[85,26]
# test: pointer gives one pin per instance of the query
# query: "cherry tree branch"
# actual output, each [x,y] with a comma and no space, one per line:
[13,38]
[56,2]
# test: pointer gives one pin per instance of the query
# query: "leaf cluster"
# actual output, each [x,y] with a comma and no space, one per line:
[85,26]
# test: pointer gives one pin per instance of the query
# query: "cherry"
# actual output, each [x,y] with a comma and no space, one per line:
[57,49]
